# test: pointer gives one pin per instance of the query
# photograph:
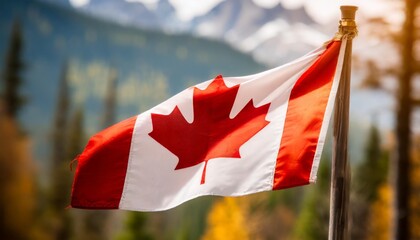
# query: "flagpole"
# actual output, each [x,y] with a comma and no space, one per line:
[340,169]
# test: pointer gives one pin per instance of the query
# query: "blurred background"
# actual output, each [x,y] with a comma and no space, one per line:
[70,68]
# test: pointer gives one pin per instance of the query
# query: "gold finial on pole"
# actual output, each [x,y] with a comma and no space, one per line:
[347,26]
[348,12]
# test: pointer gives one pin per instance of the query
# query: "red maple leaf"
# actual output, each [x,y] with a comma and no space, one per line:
[212,134]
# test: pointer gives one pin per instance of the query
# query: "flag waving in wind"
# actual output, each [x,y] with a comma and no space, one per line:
[229,136]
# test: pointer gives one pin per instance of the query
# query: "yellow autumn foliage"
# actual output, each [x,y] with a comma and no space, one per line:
[17,190]
[226,221]
[380,217]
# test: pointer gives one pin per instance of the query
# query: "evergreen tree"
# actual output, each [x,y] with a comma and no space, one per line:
[368,177]
[60,124]
[12,71]
[373,171]
[379,223]
[96,221]
[76,142]
[314,217]
[60,175]
[77,134]
[110,100]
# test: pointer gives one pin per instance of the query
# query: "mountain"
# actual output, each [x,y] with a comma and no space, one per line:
[151,65]
[238,19]
[271,35]
[161,17]
[241,23]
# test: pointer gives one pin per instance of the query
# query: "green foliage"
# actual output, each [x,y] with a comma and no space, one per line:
[110,101]
[60,122]
[378,225]
[95,222]
[136,227]
[369,175]
[12,78]
[60,222]
[94,225]
[314,217]
[193,224]
[373,171]
[197,212]
[77,134]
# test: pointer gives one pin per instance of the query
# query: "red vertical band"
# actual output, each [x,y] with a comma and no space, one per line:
[305,114]
[101,169]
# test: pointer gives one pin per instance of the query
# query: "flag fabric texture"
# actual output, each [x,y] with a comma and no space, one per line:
[229,136]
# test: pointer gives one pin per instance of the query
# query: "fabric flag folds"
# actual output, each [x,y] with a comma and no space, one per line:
[229,136]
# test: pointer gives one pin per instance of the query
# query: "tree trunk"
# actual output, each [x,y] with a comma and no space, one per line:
[404,109]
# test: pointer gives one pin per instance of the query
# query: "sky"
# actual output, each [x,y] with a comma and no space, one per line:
[323,11]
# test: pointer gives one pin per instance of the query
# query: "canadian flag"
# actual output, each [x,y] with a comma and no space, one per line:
[229,136]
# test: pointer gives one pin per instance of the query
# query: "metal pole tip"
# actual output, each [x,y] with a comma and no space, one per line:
[348,12]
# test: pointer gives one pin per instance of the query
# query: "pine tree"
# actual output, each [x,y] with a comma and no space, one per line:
[17,189]
[110,100]
[373,171]
[77,134]
[368,177]
[96,221]
[60,174]
[60,124]
[314,217]
[76,142]
[379,221]
[12,71]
